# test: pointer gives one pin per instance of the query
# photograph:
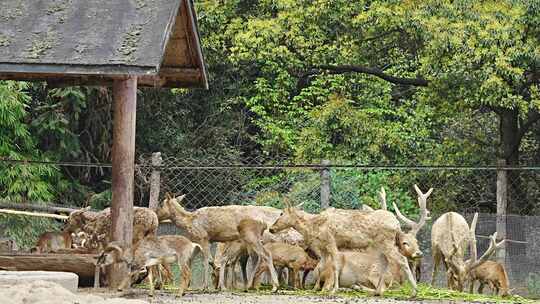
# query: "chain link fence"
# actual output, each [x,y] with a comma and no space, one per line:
[264,181]
[215,182]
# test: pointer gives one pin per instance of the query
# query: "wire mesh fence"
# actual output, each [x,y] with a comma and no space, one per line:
[261,181]
[462,189]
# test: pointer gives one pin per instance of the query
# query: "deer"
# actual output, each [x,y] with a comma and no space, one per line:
[292,257]
[361,270]
[229,254]
[97,225]
[414,256]
[151,252]
[52,241]
[222,224]
[355,229]
[450,238]
[493,274]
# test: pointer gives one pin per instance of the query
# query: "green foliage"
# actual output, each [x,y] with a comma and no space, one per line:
[425,292]
[19,182]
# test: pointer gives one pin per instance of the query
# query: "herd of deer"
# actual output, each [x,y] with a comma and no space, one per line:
[360,249]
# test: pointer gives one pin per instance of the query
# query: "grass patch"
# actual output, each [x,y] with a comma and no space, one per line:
[425,292]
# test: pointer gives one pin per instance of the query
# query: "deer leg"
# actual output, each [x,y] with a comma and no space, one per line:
[390,251]
[481,287]
[436,262]
[294,274]
[384,268]
[243,269]
[257,275]
[185,278]
[266,257]
[304,277]
[151,281]
[222,270]
[318,274]
[471,286]
[205,245]
[255,263]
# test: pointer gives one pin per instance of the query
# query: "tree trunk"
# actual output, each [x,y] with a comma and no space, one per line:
[510,143]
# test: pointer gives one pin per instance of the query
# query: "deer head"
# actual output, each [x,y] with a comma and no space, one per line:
[407,242]
[171,207]
[289,217]
[459,270]
[77,219]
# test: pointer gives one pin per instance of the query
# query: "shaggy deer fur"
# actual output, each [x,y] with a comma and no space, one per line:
[53,240]
[413,253]
[220,224]
[450,237]
[98,224]
[150,252]
[292,257]
[229,254]
[493,274]
[354,229]
[361,270]
[318,236]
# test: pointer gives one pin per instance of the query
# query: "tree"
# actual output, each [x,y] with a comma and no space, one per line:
[451,57]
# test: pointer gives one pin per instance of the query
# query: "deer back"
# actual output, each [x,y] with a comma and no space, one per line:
[450,231]
[220,223]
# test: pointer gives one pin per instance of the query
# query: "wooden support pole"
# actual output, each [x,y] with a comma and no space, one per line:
[502,204]
[155,180]
[325,184]
[123,165]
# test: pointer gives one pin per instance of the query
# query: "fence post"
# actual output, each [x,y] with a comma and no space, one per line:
[325,184]
[155,180]
[502,203]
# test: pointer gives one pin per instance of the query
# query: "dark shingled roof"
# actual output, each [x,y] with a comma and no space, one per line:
[95,41]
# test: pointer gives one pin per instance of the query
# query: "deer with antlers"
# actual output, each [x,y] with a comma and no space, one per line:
[352,229]
[223,224]
[450,237]
[413,254]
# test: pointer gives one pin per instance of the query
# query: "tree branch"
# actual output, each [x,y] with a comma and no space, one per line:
[532,118]
[342,69]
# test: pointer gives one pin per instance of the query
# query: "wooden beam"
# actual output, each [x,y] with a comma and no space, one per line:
[27,213]
[35,206]
[123,165]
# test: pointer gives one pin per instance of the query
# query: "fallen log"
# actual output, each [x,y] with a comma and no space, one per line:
[81,264]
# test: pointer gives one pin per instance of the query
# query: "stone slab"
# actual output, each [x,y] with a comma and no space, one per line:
[68,280]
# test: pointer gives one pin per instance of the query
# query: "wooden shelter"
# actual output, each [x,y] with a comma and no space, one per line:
[120,43]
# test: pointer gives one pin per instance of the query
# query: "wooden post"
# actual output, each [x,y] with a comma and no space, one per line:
[155,180]
[502,203]
[325,184]
[123,165]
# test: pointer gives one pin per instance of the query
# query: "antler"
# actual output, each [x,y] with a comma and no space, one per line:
[424,213]
[382,195]
[472,243]
[493,245]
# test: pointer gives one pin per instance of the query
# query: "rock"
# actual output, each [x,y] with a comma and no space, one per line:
[67,280]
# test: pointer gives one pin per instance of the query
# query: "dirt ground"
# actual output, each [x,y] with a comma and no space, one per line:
[239,297]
